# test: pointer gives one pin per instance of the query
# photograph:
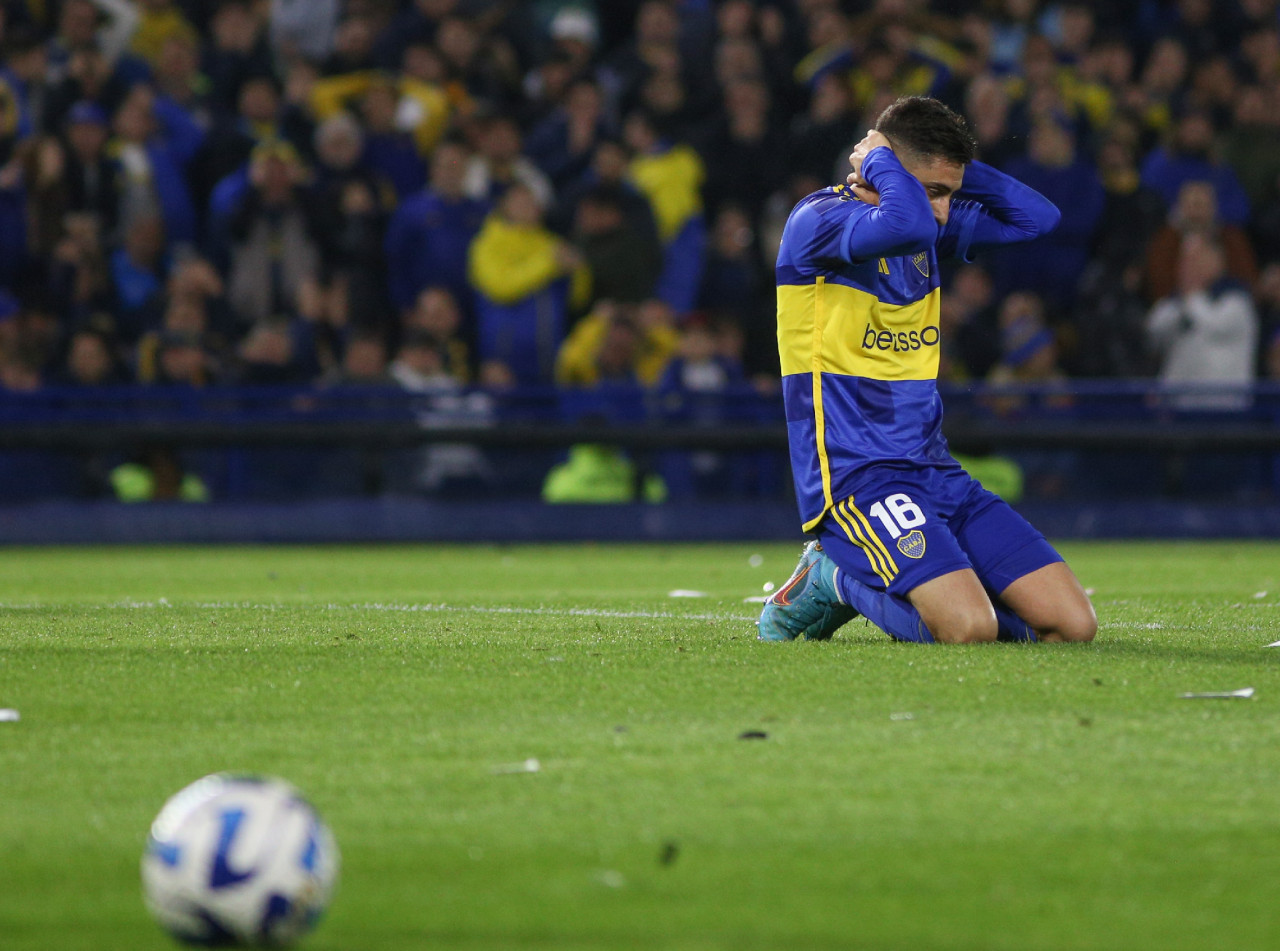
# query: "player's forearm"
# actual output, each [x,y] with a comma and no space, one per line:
[902,222]
[1016,211]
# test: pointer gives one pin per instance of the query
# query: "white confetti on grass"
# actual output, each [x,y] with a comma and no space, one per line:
[1244,693]
[530,765]
[9,715]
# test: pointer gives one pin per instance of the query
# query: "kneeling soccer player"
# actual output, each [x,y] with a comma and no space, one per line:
[904,536]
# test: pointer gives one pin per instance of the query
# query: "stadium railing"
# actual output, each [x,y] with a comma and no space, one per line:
[358,463]
[1083,415]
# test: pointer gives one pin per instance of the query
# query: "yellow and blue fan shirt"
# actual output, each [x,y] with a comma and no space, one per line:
[858,326]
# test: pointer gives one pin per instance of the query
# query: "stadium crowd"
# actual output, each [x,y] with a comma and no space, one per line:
[433,193]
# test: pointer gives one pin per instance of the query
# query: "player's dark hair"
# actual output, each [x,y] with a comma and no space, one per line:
[927,128]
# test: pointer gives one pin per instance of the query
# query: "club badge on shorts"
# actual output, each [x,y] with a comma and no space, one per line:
[912,544]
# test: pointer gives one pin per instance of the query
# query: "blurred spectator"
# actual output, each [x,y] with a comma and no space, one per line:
[43,163]
[1028,349]
[562,144]
[700,364]
[155,140]
[498,164]
[79,275]
[435,321]
[273,354]
[526,282]
[1029,357]
[1059,171]
[275,246]
[103,25]
[748,153]
[609,166]
[987,104]
[22,78]
[139,268]
[671,175]
[177,77]
[237,50]
[364,362]
[596,474]
[1188,155]
[624,262]
[1195,210]
[737,290]
[156,474]
[822,138]
[90,76]
[351,207]
[91,360]
[390,149]
[158,22]
[232,136]
[404,115]
[1207,331]
[1251,145]
[618,343]
[303,28]
[420,364]
[1159,92]
[430,233]
[484,65]
[92,177]
[970,344]
[182,349]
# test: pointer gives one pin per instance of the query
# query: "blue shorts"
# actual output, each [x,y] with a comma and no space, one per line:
[901,528]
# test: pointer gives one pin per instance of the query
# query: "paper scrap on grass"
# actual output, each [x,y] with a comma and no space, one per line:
[530,765]
[758,599]
[1244,693]
[9,716]
[686,593]
[1274,644]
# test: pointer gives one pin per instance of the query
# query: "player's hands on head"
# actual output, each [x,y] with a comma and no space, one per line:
[861,188]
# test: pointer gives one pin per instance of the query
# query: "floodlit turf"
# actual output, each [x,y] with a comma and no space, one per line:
[904,797]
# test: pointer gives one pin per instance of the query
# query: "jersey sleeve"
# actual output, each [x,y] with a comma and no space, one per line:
[833,226]
[903,221]
[996,209]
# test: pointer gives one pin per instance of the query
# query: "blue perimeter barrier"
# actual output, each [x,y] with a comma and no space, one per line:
[409,520]
[1235,430]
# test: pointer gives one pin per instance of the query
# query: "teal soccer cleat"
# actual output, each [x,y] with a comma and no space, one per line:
[808,604]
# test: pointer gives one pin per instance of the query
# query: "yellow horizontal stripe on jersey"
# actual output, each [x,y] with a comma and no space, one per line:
[859,334]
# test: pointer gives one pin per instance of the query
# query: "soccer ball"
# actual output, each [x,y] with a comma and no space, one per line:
[240,861]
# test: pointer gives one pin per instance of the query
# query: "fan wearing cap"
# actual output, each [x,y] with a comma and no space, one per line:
[92,177]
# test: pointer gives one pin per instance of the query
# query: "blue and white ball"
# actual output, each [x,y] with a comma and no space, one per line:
[238,861]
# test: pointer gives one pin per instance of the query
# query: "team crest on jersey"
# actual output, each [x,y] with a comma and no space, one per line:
[921,261]
[912,544]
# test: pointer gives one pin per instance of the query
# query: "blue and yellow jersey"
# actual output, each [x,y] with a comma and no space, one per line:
[858,327]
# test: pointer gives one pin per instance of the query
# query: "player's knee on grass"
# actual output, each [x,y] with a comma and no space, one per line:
[1078,624]
[956,609]
[956,624]
[968,629]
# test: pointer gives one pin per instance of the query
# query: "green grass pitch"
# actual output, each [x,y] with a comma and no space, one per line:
[905,797]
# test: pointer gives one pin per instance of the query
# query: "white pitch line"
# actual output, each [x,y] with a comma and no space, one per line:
[165,604]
